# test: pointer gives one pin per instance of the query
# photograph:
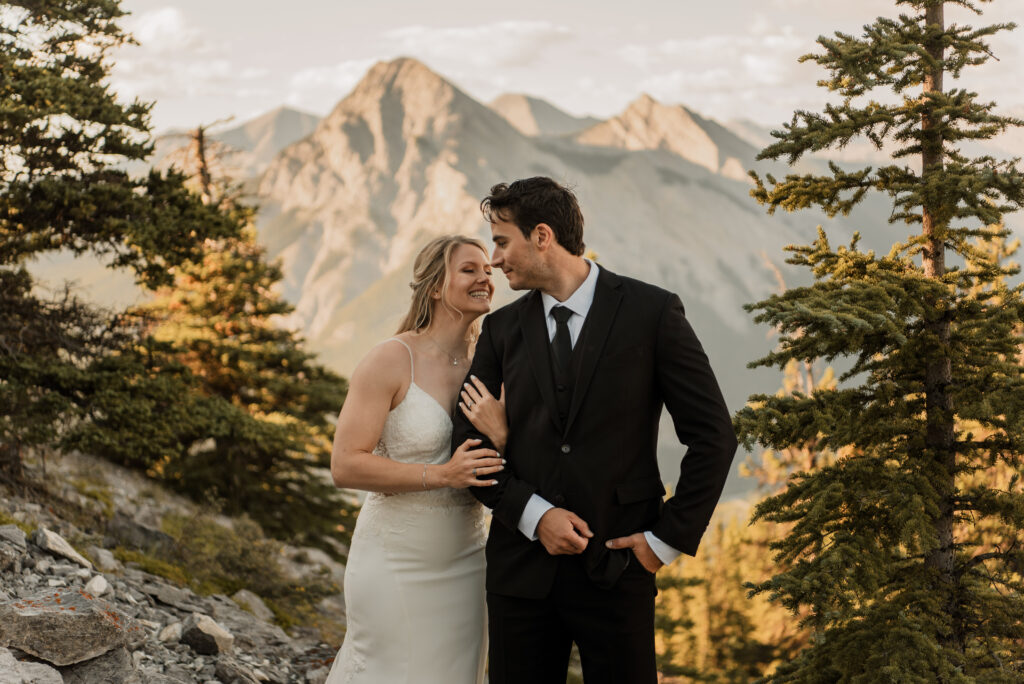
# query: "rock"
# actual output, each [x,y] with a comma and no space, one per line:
[12,534]
[317,676]
[170,633]
[254,604]
[43,566]
[182,599]
[179,673]
[250,633]
[332,606]
[230,671]
[135,535]
[205,636]
[157,678]
[9,556]
[104,559]
[65,626]
[56,544]
[98,586]
[13,671]
[299,563]
[113,666]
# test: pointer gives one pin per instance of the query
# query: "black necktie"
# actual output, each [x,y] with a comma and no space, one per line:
[561,344]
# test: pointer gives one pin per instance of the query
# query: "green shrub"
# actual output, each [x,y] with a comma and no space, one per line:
[153,565]
[8,520]
[223,560]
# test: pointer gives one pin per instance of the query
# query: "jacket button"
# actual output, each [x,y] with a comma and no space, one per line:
[566,448]
[560,388]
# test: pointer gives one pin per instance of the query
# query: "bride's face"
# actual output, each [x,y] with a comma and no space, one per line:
[469,285]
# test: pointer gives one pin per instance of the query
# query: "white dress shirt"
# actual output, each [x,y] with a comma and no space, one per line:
[579,303]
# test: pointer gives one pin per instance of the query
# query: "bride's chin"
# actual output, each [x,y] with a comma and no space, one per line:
[477,311]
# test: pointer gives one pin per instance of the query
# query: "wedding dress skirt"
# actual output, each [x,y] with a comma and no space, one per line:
[414,583]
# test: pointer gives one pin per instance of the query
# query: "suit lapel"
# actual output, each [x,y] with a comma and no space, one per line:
[535,332]
[607,297]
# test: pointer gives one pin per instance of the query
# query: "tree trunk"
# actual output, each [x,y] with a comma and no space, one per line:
[205,179]
[10,463]
[940,434]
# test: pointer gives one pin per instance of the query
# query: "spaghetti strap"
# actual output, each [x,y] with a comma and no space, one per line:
[412,366]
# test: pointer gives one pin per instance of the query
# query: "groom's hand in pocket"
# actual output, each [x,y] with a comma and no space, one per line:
[563,532]
[641,549]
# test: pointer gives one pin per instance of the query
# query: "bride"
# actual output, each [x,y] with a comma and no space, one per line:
[414,584]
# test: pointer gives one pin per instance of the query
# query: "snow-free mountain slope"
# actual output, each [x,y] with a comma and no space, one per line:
[534,116]
[650,125]
[407,156]
[266,135]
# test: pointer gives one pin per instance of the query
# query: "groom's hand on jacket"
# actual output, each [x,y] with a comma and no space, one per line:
[563,532]
[641,549]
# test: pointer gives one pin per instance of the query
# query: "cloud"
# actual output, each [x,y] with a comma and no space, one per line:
[319,88]
[708,72]
[476,57]
[488,46]
[164,31]
[175,59]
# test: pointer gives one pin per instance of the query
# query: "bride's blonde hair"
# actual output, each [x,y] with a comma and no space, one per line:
[431,272]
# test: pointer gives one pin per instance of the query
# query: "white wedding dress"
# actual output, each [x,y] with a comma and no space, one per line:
[414,584]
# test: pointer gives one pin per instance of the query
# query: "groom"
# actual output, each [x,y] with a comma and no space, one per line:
[588,359]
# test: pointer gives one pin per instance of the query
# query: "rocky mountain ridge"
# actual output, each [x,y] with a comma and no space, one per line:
[533,116]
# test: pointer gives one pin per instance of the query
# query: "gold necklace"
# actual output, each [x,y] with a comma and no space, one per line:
[454,359]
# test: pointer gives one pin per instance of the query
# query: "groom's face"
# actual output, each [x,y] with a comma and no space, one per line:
[516,256]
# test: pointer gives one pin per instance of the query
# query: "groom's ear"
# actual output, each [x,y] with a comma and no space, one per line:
[542,236]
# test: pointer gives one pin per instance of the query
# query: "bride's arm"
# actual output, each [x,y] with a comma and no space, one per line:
[373,388]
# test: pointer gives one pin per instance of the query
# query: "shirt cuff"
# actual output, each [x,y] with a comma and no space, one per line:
[535,509]
[665,553]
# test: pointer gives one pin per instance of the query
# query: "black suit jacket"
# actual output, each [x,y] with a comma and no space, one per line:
[635,353]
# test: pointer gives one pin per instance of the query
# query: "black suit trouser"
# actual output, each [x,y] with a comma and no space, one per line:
[531,639]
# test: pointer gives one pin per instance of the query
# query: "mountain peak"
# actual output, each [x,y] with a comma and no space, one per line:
[647,124]
[645,100]
[402,73]
[534,116]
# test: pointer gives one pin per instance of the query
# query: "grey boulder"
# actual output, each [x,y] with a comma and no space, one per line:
[113,666]
[13,671]
[205,636]
[65,626]
[57,545]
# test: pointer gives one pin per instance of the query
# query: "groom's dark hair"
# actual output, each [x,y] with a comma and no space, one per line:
[530,201]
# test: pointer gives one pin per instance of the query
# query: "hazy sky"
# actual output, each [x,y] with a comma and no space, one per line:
[202,60]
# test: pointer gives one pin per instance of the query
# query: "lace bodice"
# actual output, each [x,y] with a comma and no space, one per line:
[419,430]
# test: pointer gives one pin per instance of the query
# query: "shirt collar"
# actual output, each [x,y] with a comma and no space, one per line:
[579,301]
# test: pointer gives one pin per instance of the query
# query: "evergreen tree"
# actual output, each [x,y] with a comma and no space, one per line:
[882,554]
[251,428]
[222,320]
[62,136]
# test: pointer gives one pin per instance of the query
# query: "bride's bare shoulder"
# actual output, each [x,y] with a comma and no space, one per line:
[387,363]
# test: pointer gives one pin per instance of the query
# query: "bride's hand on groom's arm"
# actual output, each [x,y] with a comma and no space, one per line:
[471,467]
[563,532]
[641,549]
[486,413]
